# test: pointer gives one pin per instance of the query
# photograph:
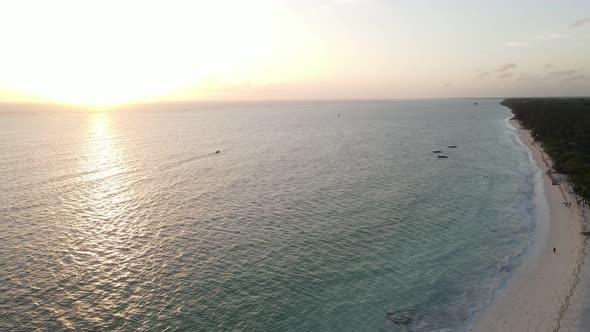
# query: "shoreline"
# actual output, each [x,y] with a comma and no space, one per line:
[538,294]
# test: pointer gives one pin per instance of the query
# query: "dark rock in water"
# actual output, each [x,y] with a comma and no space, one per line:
[436,151]
[217,151]
[442,157]
[402,317]
[452,146]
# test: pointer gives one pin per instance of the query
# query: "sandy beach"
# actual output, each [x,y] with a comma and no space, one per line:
[539,292]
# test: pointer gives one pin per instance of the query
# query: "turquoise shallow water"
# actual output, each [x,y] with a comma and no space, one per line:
[305,221]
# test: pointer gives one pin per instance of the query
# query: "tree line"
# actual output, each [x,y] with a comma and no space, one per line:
[563,127]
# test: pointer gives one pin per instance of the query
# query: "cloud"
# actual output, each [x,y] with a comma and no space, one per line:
[515,44]
[554,36]
[483,75]
[577,77]
[529,40]
[580,22]
[563,74]
[525,77]
[505,67]
[504,71]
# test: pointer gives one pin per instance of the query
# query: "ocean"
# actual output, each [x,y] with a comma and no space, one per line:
[278,216]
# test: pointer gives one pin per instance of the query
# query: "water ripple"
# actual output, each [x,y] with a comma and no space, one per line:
[304,222]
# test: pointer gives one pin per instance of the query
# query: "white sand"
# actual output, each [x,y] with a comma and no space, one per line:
[537,295]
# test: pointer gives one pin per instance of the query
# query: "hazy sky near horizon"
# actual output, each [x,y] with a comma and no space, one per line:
[104,52]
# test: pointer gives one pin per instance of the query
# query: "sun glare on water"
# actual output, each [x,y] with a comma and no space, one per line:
[111,52]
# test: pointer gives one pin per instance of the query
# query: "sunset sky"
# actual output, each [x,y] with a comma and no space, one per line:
[109,52]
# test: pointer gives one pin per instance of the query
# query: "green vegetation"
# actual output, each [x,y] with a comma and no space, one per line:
[563,126]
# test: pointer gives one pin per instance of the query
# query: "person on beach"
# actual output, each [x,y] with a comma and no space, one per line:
[553,250]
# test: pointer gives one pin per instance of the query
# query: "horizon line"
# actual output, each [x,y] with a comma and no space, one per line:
[274,101]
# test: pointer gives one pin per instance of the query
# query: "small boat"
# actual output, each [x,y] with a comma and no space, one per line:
[475,103]
[436,151]
[442,157]
[452,146]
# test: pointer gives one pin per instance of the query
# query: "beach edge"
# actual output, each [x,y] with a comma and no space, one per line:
[538,295]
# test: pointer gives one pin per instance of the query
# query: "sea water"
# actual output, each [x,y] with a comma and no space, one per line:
[313,216]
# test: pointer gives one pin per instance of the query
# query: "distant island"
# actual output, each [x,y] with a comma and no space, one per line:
[563,127]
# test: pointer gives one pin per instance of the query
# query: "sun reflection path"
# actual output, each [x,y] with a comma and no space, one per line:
[105,165]
[108,181]
[100,147]
[105,229]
